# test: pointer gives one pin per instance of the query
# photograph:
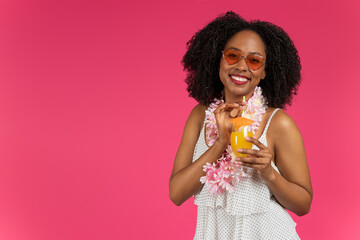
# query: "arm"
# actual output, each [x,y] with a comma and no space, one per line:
[185,176]
[292,188]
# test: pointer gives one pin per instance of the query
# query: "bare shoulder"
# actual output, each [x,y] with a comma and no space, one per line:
[190,136]
[282,125]
[282,120]
[199,111]
[290,157]
[197,116]
[288,144]
[193,126]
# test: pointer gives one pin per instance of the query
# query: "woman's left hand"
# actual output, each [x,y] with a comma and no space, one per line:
[258,159]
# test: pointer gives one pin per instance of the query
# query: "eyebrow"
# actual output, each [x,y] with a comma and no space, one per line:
[257,53]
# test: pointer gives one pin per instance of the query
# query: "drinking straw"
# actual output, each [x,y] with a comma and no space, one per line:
[243,111]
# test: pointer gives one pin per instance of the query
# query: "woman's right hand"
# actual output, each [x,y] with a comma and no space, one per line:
[222,115]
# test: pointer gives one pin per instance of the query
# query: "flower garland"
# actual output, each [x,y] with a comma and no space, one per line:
[222,175]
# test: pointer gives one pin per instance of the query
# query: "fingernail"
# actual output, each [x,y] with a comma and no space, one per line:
[247,139]
[240,150]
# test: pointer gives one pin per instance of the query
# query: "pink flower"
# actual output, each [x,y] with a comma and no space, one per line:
[222,175]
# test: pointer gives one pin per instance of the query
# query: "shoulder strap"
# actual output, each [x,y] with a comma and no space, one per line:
[268,122]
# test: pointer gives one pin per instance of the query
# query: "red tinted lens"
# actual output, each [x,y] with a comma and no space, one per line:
[231,56]
[254,62]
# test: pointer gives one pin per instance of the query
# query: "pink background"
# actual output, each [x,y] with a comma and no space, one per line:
[93,103]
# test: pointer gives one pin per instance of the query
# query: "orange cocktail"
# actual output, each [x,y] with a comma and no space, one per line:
[241,128]
[238,140]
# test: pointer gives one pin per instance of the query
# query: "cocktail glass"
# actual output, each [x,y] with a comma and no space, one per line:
[241,128]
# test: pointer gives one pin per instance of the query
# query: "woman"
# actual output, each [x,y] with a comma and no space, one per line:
[229,61]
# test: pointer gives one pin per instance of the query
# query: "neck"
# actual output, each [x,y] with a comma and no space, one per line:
[230,98]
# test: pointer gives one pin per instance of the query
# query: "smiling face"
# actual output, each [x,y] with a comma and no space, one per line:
[238,79]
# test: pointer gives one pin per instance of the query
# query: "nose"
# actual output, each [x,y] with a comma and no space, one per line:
[242,64]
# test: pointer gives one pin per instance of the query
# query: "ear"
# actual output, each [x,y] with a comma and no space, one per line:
[263,75]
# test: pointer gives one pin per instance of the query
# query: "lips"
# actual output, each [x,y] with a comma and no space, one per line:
[239,79]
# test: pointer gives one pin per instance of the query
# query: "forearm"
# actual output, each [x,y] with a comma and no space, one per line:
[186,182]
[290,195]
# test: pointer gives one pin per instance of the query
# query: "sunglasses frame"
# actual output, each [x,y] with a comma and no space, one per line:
[244,59]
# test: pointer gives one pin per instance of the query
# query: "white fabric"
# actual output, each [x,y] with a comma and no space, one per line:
[250,212]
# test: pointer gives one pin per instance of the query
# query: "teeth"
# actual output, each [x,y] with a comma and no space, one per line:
[240,79]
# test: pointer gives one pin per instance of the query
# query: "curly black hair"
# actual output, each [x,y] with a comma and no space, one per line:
[202,60]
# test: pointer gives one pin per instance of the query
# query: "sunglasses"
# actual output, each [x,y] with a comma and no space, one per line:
[253,61]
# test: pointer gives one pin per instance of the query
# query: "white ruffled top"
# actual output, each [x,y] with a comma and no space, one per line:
[250,212]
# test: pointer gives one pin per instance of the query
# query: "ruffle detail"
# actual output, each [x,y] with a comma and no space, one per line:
[268,225]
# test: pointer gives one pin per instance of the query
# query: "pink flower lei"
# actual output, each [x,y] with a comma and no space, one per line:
[222,175]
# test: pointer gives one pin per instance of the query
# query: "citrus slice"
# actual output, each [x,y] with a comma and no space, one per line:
[241,121]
